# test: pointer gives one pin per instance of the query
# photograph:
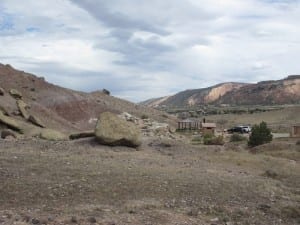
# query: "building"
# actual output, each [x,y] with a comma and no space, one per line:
[189,124]
[295,132]
[208,128]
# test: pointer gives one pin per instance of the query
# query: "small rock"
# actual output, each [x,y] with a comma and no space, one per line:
[215,219]
[193,212]
[92,220]
[74,219]
[26,218]
[264,207]
[35,221]
[2,91]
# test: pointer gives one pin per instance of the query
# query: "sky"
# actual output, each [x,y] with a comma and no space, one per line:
[141,49]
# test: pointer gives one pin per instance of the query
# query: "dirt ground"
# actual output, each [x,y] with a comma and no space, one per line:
[162,182]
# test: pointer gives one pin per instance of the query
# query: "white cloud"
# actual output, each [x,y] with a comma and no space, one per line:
[154,48]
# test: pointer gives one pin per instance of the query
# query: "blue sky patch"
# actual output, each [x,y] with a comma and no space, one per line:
[6,22]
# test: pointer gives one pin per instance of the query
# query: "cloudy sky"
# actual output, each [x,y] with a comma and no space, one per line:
[139,49]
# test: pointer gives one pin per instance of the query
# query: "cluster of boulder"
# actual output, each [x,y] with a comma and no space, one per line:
[111,129]
[29,126]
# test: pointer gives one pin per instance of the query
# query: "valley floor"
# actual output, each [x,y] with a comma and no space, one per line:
[162,182]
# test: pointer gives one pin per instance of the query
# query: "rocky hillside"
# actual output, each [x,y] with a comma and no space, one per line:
[195,96]
[286,91]
[59,108]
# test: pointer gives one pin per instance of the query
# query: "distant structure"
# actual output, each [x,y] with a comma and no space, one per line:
[189,124]
[295,132]
[208,128]
[193,124]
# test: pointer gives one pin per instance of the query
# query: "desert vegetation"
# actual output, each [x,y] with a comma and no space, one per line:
[260,134]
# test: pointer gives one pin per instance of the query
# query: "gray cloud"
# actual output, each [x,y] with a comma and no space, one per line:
[147,49]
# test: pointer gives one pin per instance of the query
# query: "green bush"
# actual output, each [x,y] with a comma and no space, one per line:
[237,138]
[213,140]
[260,134]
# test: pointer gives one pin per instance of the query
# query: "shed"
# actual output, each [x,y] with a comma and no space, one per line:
[189,124]
[208,128]
[295,132]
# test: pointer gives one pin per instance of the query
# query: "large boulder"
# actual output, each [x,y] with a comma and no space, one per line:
[10,122]
[8,133]
[52,135]
[15,93]
[22,106]
[112,130]
[36,121]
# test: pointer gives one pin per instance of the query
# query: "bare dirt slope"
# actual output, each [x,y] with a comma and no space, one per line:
[80,182]
[61,108]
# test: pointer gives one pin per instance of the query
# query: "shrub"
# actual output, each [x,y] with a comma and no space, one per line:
[260,134]
[237,137]
[213,140]
[144,117]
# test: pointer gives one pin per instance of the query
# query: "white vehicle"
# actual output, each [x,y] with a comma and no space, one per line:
[246,128]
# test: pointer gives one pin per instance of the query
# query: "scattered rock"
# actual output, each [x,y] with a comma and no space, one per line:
[8,133]
[128,117]
[15,93]
[112,130]
[52,135]
[2,91]
[22,106]
[83,134]
[36,121]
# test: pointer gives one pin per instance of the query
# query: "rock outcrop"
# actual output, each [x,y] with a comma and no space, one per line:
[112,130]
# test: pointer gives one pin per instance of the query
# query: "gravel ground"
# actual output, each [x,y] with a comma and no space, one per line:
[162,182]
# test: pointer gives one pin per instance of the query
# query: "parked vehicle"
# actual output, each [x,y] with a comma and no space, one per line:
[240,129]
[246,128]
